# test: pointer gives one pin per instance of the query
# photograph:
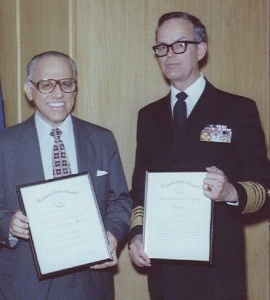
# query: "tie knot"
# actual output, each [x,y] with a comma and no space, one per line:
[56,132]
[181,96]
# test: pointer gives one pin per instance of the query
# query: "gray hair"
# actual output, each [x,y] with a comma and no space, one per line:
[199,28]
[31,65]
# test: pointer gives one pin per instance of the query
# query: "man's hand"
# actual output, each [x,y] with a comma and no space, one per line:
[217,187]
[136,252]
[112,248]
[19,225]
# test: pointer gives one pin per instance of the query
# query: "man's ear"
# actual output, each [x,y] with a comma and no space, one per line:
[28,91]
[202,50]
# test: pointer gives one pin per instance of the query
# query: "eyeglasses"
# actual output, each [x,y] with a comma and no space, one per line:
[67,85]
[177,47]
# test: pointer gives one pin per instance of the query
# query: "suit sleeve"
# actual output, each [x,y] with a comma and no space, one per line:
[117,217]
[254,189]
[5,213]
[138,181]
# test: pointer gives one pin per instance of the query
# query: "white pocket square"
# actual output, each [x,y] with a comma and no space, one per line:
[101,173]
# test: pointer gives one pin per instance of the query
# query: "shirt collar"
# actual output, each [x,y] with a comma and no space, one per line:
[42,126]
[194,92]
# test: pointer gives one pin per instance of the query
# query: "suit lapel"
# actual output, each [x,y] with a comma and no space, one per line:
[204,113]
[84,148]
[31,162]
[163,117]
[163,127]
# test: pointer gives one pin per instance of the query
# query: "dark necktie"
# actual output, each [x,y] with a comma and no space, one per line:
[61,166]
[180,110]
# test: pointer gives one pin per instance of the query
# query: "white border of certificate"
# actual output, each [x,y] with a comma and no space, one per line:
[178,217]
[66,228]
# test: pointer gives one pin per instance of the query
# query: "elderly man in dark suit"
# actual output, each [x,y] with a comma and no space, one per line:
[196,128]
[26,157]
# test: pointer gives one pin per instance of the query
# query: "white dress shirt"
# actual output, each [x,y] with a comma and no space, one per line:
[46,142]
[194,92]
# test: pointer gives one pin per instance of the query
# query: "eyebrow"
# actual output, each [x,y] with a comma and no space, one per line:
[179,40]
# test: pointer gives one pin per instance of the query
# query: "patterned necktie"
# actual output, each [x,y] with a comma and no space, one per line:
[180,110]
[61,166]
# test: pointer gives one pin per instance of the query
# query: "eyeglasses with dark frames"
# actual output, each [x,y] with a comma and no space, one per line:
[177,47]
[46,86]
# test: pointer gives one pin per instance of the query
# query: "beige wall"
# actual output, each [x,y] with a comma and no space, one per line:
[111,42]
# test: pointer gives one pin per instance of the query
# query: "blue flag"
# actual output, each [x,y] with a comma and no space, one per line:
[2,119]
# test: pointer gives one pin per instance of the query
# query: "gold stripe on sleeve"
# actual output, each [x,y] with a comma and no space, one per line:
[256,196]
[136,216]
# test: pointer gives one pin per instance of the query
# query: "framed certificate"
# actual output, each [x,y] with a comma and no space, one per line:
[66,228]
[178,217]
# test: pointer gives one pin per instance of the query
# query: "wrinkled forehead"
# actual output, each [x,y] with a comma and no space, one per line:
[52,67]
[174,30]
